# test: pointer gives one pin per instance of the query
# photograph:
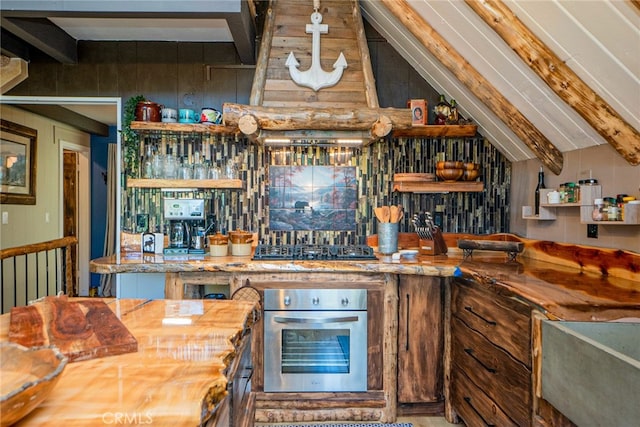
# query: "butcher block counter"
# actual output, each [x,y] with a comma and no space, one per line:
[177,377]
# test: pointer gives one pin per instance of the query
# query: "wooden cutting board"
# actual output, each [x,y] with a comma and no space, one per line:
[82,330]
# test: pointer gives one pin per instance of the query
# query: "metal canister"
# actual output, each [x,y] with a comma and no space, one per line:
[387,237]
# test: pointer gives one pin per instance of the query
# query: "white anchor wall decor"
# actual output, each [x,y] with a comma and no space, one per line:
[315,77]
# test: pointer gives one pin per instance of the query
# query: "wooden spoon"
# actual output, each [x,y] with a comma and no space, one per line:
[393,212]
[386,214]
[378,213]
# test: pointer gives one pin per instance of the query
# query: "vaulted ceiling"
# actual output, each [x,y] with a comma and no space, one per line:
[540,78]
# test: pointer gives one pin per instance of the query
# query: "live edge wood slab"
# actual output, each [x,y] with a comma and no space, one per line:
[81,330]
[177,376]
[566,281]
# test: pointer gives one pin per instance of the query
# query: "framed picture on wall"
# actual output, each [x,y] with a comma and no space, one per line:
[17,164]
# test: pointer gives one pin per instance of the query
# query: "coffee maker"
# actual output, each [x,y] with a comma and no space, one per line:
[185,222]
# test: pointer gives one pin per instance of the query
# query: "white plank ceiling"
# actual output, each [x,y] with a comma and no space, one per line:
[598,39]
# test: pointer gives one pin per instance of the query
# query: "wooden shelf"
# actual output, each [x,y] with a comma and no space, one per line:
[539,218]
[451,131]
[184,127]
[437,186]
[560,205]
[184,183]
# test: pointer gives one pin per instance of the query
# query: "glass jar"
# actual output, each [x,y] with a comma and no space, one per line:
[562,189]
[571,192]
[170,167]
[610,214]
[598,210]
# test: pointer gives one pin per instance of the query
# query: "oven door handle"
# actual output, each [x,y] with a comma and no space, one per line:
[347,319]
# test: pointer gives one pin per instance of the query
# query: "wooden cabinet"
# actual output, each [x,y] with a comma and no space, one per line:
[238,407]
[420,343]
[490,355]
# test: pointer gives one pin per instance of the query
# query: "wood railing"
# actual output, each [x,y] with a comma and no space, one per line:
[33,271]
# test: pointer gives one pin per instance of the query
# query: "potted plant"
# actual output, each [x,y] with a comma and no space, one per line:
[130,139]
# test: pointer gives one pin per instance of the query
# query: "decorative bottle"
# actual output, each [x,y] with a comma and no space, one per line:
[538,188]
[453,113]
[442,111]
[147,163]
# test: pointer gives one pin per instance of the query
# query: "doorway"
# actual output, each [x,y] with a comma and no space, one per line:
[76,210]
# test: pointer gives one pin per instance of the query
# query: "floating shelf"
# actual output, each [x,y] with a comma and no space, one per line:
[184,183]
[560,205]
[437,186]
[450,131]
[184,127]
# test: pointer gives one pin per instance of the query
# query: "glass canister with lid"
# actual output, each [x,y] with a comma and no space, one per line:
[599,212]
[570,191]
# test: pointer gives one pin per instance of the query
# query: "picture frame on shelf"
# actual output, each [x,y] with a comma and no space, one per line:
[18,157]
[418,112]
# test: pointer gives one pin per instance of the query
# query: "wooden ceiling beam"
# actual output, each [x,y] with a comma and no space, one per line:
[44,35]
[560,78]
[548,153]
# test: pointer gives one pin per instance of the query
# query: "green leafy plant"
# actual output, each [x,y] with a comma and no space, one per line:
[130,139]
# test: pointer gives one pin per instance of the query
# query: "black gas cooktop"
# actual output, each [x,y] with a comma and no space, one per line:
[313,252]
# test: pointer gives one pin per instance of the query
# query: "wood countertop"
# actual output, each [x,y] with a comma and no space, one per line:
[176,378]
[136,262]
[566,281]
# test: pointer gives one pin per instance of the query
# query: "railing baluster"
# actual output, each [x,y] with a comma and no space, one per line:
[60,284]
[38,276]
[15,283]
[48,256]
[2,286]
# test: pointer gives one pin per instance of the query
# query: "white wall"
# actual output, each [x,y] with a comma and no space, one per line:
[27,223]
[614,174]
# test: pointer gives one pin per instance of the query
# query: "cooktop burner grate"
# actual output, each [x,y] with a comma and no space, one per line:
[314,252]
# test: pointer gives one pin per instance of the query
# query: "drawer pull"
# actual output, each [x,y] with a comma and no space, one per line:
[469,351]
[488,322]
[468,400]
[408,322]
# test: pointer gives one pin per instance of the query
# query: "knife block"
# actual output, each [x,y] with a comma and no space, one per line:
[437,246]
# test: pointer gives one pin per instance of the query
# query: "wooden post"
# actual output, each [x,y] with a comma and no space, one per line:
[548,153]
[260,76]
[390,346]
[561,78]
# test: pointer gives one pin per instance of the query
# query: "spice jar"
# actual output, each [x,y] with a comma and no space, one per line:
[563,193]
[571,192]
[598,210]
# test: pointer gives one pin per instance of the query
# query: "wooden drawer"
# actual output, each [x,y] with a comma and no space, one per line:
[503,320]
[504,379]
[474,406]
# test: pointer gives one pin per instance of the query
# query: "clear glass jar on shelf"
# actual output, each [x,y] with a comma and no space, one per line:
[571,192]
[599,212]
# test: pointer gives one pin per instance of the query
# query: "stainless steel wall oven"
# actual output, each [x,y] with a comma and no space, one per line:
[315,340]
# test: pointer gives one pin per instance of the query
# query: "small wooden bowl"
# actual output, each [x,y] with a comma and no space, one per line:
[471,166]
[448,165]
[449,174]
[28,377]
[470,174]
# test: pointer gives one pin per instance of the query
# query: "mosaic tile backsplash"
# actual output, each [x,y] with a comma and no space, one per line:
[264,206]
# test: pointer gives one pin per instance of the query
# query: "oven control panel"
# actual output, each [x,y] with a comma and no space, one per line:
[315,299]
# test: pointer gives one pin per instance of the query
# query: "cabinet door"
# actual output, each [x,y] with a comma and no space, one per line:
[420,339]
